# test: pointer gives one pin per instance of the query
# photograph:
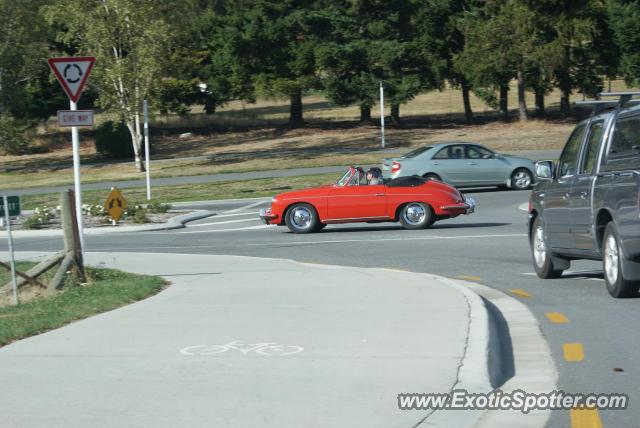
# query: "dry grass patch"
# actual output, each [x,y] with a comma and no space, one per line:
[251,137]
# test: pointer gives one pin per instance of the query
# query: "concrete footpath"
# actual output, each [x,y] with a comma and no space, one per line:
[247,342]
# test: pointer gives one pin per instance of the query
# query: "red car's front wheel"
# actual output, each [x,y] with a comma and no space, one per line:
[302,218]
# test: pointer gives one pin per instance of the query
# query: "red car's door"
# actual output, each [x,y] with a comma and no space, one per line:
[357,202]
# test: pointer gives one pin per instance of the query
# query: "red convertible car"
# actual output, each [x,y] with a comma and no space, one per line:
[414,201]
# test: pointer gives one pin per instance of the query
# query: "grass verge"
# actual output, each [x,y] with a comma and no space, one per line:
[263,187]
[108,289]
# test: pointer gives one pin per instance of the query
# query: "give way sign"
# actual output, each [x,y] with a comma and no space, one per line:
[72,73]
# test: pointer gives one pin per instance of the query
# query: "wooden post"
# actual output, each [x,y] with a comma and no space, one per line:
[66,220]
[71,233]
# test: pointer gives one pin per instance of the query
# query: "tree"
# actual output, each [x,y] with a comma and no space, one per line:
[222,52]
[442,39]
[624,21]
[289,31]
[396,55]
[580,48]
[490,55]
[507,40]
[25,89]
[343,63]
[130,40]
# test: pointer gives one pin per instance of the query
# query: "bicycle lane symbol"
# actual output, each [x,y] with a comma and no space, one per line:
[264,349]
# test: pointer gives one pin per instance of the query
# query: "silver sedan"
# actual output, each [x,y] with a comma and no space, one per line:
[463,165]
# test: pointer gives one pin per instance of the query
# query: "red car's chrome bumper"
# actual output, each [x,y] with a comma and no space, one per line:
[267,216]
[469,206]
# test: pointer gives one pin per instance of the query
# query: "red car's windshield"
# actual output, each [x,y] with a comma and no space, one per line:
[353,177]
[345,178]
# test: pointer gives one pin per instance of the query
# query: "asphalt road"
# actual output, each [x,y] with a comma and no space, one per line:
[489,247]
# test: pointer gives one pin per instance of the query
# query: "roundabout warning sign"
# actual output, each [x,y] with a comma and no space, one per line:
[72,73]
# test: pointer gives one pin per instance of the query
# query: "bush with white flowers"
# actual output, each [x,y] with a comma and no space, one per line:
[94,210]
[41,216]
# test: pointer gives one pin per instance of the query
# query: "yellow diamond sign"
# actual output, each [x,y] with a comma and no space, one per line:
[116,204]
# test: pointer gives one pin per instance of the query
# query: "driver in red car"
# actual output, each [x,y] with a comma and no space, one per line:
[374,176]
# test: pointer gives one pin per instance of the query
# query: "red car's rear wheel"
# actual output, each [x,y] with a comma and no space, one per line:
[416,215]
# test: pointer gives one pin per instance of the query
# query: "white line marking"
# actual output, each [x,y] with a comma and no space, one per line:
[303,243]
[224,222]
[524,207]
[265,349]
[236,215]
[244,208]
[426,238]
[261,226]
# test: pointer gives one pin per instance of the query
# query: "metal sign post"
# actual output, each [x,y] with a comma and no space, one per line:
[72,73]
[382,113]
[14,283]
[75,143]
[146,148]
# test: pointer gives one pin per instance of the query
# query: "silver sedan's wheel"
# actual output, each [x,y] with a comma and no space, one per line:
[302,218]
[612,262]
[521,179]
[416,215]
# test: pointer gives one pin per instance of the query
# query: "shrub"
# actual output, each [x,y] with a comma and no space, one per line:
[132,210]
[140,216]
[94,210]
[12,141]
[41,216]
[114,140]
[157,207]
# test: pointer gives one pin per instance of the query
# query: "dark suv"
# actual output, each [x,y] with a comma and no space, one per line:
[587,206]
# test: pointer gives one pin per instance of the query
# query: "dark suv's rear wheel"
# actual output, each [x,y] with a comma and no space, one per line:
[545,265]
[612,259]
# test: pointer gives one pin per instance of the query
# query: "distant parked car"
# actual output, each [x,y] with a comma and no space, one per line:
[463,165]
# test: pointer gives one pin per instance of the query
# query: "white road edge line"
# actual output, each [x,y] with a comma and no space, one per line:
[235,215]
[222,222]
[426,238]
[243,208]
[261,226]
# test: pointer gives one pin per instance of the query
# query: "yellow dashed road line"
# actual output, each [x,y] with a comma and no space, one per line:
[573,352]
[557,318]
[583,417]
[521,293]
[469,278]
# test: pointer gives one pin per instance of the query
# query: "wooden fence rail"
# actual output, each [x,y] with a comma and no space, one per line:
[71,255]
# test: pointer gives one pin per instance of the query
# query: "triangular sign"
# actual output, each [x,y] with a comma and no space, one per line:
[72,73]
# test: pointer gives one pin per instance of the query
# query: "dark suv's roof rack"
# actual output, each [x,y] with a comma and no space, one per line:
[600,105]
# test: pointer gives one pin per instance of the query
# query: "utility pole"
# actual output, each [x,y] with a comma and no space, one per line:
[146,148]
[382,113]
